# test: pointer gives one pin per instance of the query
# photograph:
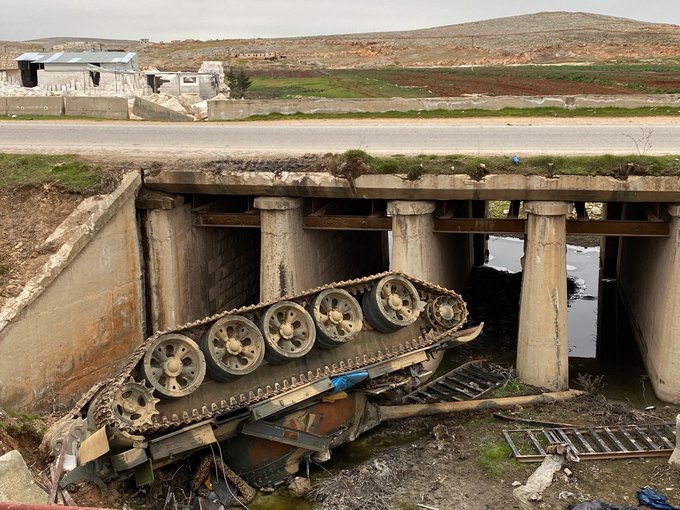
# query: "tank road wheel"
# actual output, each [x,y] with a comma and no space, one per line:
[445,312]
[233,346]
[174,365]
[288,330]
[338,317]
[134,404]
[392,304]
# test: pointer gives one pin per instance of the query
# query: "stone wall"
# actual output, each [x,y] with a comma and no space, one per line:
[75,322]
[233,109]
[195,272]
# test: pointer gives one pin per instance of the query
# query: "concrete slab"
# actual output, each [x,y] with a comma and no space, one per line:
[152,111]
[100,107]
[428,187]
[3,106]
[35,105]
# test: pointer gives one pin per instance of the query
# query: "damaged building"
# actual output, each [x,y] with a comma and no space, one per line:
[110,71]
[204,85]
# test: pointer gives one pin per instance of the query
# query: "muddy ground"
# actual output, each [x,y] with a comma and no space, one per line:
[455,462]
[462,462]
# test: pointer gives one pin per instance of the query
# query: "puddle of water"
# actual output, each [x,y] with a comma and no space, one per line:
[583,264]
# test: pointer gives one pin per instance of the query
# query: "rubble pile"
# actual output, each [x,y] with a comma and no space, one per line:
[9,89]
[187,104]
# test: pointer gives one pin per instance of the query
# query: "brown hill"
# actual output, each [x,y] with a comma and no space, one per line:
[546,37]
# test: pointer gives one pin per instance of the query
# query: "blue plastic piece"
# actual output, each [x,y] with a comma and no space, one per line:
[346,381]
[652,499]
[515,160]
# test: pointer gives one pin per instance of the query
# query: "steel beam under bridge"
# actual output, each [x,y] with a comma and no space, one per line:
[370,215]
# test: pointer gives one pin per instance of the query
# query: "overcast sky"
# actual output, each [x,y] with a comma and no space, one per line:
[224,19]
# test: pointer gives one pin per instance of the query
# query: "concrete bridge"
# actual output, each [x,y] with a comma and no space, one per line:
[314,228]
[174,246]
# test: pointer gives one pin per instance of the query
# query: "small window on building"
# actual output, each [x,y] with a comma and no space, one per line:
[189,79]
[95,76]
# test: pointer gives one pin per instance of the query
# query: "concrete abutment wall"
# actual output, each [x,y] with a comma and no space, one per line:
[78,320]
[649,282]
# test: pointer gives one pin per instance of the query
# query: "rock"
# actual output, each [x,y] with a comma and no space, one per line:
[300,486]
[516,483]
[16,481]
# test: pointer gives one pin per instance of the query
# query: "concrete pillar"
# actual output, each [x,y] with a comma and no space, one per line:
[282,238]
[419,252]
[543,341]
[413,241]
[649,283]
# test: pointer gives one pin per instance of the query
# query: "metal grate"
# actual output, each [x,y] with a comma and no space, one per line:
[529,445]
[467,382]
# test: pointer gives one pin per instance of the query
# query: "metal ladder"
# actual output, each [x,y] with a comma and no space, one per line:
[611,442]
[467,382]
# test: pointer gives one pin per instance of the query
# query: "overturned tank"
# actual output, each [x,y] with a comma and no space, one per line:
[264,387]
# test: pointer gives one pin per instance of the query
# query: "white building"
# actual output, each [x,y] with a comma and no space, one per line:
[88,71]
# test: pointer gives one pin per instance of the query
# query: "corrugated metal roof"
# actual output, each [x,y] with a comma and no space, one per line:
[98,57]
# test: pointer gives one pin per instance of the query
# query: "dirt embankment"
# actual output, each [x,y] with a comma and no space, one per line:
[27,218]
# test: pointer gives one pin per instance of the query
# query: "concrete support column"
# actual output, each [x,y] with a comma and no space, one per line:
[418,251]
[543,341]
[414,249]
[281,242]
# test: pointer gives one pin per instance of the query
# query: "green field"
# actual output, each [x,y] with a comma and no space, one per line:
[441,82]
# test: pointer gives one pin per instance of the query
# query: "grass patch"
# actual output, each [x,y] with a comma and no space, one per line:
[477,167]
[68,172]
[496,458]
[513,388]
[644,78]
[21,423]
[472,113]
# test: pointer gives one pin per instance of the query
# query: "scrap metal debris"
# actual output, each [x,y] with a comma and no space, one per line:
[531,445]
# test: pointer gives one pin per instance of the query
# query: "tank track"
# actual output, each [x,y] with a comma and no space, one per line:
[101,397]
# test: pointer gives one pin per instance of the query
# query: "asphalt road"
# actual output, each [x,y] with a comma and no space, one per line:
[471,136]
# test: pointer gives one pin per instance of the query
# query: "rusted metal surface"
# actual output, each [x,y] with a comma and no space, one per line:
[373,222]
[529,445]
[370,215]
[228,219]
